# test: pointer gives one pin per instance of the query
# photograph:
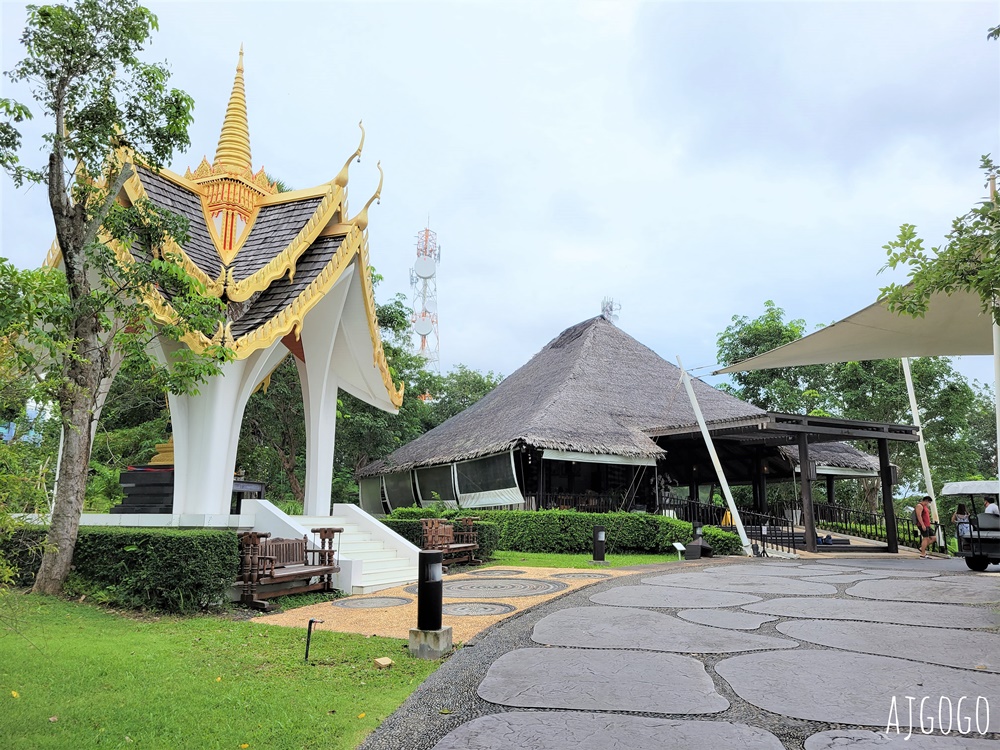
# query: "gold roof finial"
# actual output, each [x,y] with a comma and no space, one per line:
[341,179]
[233,151]
[361,220]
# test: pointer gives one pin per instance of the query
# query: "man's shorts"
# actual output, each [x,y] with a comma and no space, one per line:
[928,532]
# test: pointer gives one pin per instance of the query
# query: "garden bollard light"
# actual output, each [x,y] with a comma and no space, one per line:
[430,590]
[309,633]
[429,640]
[599,543]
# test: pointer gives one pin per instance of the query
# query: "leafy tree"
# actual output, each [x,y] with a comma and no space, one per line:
[103,103]
[788,389]
[968,260]
[273,437]
[460,389]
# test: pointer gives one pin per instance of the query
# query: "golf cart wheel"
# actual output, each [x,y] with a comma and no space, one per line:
[977,563]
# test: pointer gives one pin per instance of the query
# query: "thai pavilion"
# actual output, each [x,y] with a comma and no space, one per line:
[597,421]
[293,270]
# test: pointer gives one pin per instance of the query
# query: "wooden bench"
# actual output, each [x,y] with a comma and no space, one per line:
[265,561]
[456,546]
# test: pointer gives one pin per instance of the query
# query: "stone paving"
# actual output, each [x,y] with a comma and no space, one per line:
[870,654]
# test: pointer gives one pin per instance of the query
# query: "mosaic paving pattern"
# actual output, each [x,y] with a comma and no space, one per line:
[904,740]
[829,688]
[845,578]
[495,572]
[900,613]
[980,651]
[589,680]
[722,618]
[476,609]
[772,569]
[624,627]
[571,730]
[666,597]
[745,583]
[496,588]
[374,602]
[952,590]
[572,576]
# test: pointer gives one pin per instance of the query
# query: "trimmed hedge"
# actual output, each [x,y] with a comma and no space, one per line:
[167,569]
[569,531]
[23,549]
[172,570]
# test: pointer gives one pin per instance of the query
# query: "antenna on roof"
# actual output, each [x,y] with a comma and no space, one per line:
[609,308]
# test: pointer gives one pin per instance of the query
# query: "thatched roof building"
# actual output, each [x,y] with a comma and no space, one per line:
[593,413]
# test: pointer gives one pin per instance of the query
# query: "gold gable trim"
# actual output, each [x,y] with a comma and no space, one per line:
[378,356]
[292,317]
[284,262]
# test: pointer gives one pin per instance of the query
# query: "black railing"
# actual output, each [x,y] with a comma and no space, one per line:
[860,523]
[587,503]
[768,532]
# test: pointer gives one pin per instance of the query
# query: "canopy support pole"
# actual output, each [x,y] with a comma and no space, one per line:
[996,380]
[889,511]
[922,447]
[733,510]
[805,485]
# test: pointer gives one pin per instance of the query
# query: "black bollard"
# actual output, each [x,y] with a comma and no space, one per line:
[430,589]
[599,543]
[309,635]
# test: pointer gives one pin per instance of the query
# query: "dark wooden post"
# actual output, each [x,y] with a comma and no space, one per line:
[755,476]
[885,473]
[808,523]
[829,488]
[541,482]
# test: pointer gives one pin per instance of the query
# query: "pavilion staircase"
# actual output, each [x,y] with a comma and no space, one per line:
[372,556]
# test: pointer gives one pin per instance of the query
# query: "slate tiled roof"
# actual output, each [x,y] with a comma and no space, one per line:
[274,228]
[592,389]
[199,247]
[282,293]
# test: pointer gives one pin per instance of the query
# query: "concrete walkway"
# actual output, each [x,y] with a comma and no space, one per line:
[813,654]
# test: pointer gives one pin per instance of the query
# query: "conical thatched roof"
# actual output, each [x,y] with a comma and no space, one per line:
[592,389]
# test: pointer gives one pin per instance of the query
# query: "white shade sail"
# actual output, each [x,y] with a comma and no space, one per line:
[954,325]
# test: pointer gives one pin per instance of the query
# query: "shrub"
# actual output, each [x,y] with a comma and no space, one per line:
[489,538]
[165,569]
[408,528]
[568,531]
[722,542]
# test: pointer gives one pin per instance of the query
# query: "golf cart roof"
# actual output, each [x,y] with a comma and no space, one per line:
[985,487]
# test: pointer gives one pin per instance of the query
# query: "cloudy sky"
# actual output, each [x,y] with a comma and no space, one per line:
[689,159]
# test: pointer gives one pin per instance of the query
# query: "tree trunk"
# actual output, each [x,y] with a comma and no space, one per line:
[288,463]
[77,406]
[68,504]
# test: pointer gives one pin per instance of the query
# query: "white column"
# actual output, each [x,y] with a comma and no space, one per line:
[206,429]
[320,385]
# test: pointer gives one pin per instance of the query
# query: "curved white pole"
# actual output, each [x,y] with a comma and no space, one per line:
[733,510]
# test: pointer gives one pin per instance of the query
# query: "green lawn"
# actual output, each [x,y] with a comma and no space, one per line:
[552,560]
[76,676]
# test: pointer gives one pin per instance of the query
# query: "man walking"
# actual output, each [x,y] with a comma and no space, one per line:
[923,514]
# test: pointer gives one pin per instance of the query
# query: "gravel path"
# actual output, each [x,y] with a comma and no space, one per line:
[448,699]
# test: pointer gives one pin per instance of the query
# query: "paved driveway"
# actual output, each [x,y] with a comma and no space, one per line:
[861,653]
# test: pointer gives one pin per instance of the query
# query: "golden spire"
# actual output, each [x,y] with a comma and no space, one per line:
[233,152]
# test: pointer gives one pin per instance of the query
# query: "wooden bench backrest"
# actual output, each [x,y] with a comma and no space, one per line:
[285,551]
[438,533]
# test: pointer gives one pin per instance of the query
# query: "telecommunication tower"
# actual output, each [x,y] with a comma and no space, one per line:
[423,282]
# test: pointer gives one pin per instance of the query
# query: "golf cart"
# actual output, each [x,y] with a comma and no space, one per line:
[981,545]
